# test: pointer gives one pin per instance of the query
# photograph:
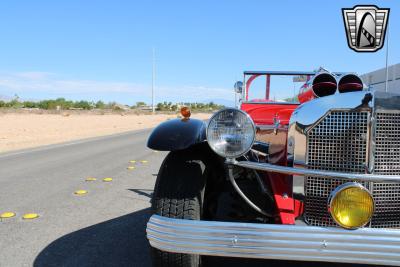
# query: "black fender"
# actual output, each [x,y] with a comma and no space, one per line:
[177,134]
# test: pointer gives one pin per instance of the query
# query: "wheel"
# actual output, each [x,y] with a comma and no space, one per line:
[179,193]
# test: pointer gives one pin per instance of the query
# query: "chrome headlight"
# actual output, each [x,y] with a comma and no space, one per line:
[230,133]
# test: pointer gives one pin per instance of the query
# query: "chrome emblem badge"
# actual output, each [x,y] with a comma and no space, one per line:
[365,27]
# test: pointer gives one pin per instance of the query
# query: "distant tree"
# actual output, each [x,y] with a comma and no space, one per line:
[83,104]
[14,103]
[30,104]
[292,99]
[111,105]
[100,104]
[159,107]
[140,104]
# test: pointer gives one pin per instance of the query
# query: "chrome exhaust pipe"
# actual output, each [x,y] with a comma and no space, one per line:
[324,84]
[350,83]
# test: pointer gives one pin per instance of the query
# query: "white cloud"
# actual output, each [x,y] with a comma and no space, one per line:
[33,75]
[45,83]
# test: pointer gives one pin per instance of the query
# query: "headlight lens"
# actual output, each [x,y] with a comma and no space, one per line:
[230,133]
[351,205]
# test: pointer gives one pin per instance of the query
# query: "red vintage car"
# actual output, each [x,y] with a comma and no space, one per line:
[317,180]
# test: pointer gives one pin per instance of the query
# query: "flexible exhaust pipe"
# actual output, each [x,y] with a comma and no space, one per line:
[350,83]
[323,84]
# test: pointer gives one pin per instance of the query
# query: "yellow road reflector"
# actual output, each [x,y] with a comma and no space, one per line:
[30,216]
[132,161]
[7,214]
[131,167]
[108,179]
[144,161]
[80,192]
[90,179]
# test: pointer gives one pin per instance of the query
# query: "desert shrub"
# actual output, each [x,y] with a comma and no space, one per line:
[100,104]
[140,104]
[83,104]
[30,104]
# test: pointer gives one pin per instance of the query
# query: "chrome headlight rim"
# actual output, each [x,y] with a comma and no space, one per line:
[341,188]
[248,118]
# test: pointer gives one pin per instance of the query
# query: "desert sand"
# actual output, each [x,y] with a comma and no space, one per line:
[19,131]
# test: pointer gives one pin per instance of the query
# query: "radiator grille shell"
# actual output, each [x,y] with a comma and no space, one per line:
[341,142]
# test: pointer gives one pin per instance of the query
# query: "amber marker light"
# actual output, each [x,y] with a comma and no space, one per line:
[185,112]
[351,205]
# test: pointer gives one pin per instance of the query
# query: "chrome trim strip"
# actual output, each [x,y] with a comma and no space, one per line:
[269,241]
[266,127]
[315,173]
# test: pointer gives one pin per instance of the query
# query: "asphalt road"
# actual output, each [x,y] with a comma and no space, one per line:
[105,227]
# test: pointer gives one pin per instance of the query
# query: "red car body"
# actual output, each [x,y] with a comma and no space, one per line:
[272,119]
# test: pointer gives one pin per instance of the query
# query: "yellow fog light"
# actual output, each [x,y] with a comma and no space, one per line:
[351,205]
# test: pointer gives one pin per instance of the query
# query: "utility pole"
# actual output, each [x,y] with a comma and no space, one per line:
[235,99]
[387,57]
[294,91]
[153,81]
[235,93]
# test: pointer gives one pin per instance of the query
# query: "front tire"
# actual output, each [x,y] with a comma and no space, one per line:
[179,193]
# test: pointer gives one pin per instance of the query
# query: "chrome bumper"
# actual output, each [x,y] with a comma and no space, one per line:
[268,241]
[314,173]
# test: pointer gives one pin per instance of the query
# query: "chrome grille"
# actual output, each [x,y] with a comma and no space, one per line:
[337,143]
[387,205]
[387,143]
[387,161]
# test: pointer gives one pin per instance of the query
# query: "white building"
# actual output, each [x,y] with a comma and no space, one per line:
[376,79]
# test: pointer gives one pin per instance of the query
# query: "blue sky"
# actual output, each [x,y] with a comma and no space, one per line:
[102,49]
